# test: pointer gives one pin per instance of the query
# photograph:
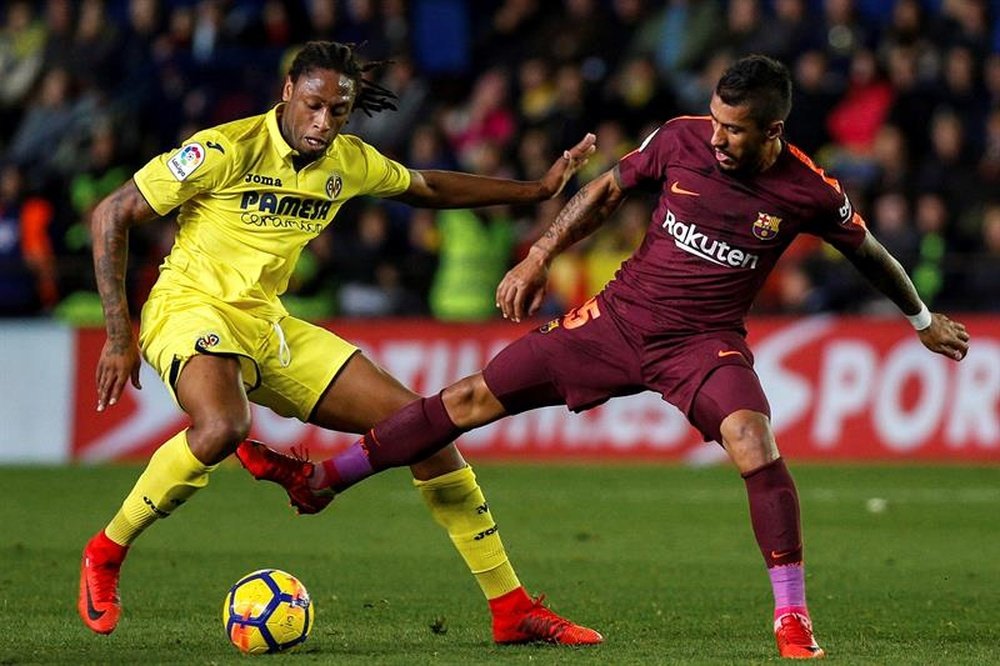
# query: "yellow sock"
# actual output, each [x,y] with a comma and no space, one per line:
[172,475]
[458,505]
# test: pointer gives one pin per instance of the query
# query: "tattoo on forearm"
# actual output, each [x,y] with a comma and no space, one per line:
[886,274]
[111,221]
[586,211]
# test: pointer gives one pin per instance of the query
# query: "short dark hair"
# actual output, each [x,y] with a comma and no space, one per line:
[371,97]
[761,83]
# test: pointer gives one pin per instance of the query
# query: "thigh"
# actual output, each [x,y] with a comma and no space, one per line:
[361,395]
[727,390]
[581,361]
[678,367]
[298,361]
[175,330]
[211,387]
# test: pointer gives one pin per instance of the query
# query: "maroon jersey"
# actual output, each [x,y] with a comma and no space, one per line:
[714,237]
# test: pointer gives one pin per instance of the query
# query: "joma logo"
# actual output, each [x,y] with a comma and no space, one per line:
[262,180]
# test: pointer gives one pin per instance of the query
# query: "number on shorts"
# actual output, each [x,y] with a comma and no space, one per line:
[581,315]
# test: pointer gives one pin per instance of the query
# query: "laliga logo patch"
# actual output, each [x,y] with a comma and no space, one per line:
[183,163]
[766,226]
[334,184]
[207,341]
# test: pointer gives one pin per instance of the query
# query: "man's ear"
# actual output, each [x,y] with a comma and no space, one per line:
[775,129]
[286,90]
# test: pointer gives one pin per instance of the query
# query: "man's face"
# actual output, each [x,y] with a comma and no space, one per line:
[317,106]
[737,138]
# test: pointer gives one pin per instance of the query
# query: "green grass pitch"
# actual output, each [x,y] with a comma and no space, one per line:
[661,559]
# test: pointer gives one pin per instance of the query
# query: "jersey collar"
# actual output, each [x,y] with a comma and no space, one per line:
[286,151]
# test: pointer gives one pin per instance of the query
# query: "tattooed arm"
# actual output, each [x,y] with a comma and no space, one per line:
[110,223]
[941,335]
[522,289]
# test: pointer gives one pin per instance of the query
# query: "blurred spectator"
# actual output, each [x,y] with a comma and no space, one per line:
[899,100]
[48,125]
[932,225]
[389,131]
[27,263]
[487,117]
[894,229]
[854,122]
[981,290]
[367,264]
[816,91]
[844,33]
[22,55]
[475,252]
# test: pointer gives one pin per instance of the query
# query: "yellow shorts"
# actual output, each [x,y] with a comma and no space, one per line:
[286,364]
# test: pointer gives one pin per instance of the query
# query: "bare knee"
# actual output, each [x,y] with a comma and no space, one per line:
[214,437]
[748,439]
[470,403]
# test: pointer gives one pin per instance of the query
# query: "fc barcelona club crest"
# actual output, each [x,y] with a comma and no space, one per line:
[766,226]
[334,184]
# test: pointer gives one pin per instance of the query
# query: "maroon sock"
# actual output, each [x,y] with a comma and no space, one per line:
[774,512]
[415,432]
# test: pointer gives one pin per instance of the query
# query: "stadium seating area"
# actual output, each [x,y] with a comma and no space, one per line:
[899,99]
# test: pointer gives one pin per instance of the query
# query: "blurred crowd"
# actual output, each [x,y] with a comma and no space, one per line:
[899,99]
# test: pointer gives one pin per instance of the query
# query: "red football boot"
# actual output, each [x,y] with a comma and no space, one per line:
[794,635]
[290,472]
[99,604]
[517,618]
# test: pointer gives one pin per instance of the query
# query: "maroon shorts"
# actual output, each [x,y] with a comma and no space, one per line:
[590,356]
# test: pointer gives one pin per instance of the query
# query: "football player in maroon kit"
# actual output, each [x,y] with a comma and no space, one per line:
[733,194]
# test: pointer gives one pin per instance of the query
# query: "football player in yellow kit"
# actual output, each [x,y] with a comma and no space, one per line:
[251,194]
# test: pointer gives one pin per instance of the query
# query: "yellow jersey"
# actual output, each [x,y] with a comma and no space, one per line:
[246,213]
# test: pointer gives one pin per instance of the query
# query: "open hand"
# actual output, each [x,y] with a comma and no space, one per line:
[945,337]
[572,160]
[118,364]
[522,289]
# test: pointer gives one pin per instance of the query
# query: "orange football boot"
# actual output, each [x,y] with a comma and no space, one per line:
[99,603]
[794,635]
[534,623]
[290,472]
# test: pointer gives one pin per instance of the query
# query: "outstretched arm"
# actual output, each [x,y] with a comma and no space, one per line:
[452,189]
[110,221]
[936,331]
[522,289]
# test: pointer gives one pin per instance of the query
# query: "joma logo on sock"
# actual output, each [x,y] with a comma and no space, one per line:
[157,510]
[485,533]
[483,508]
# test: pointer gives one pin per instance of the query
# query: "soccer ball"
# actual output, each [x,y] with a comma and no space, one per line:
[267,611]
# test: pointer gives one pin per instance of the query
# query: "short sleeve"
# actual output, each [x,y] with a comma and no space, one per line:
[201,164]
[839,224]
[383,177]
[648,162]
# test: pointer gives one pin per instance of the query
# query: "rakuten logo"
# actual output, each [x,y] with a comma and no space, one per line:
[688,238]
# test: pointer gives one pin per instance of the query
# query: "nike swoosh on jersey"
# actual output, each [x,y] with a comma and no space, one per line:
[729,353]
[677,189]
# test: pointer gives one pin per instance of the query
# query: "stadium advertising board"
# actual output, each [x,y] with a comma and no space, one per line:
[847,389]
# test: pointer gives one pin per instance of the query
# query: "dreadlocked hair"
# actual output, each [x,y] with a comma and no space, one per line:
[371,98]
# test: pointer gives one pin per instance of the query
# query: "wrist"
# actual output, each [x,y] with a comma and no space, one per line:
[541,255]
[922,319]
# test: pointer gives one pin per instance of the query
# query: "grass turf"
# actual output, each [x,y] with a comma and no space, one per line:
[660,559]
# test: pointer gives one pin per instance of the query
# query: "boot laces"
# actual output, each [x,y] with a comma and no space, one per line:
[796,631]
[542,621]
